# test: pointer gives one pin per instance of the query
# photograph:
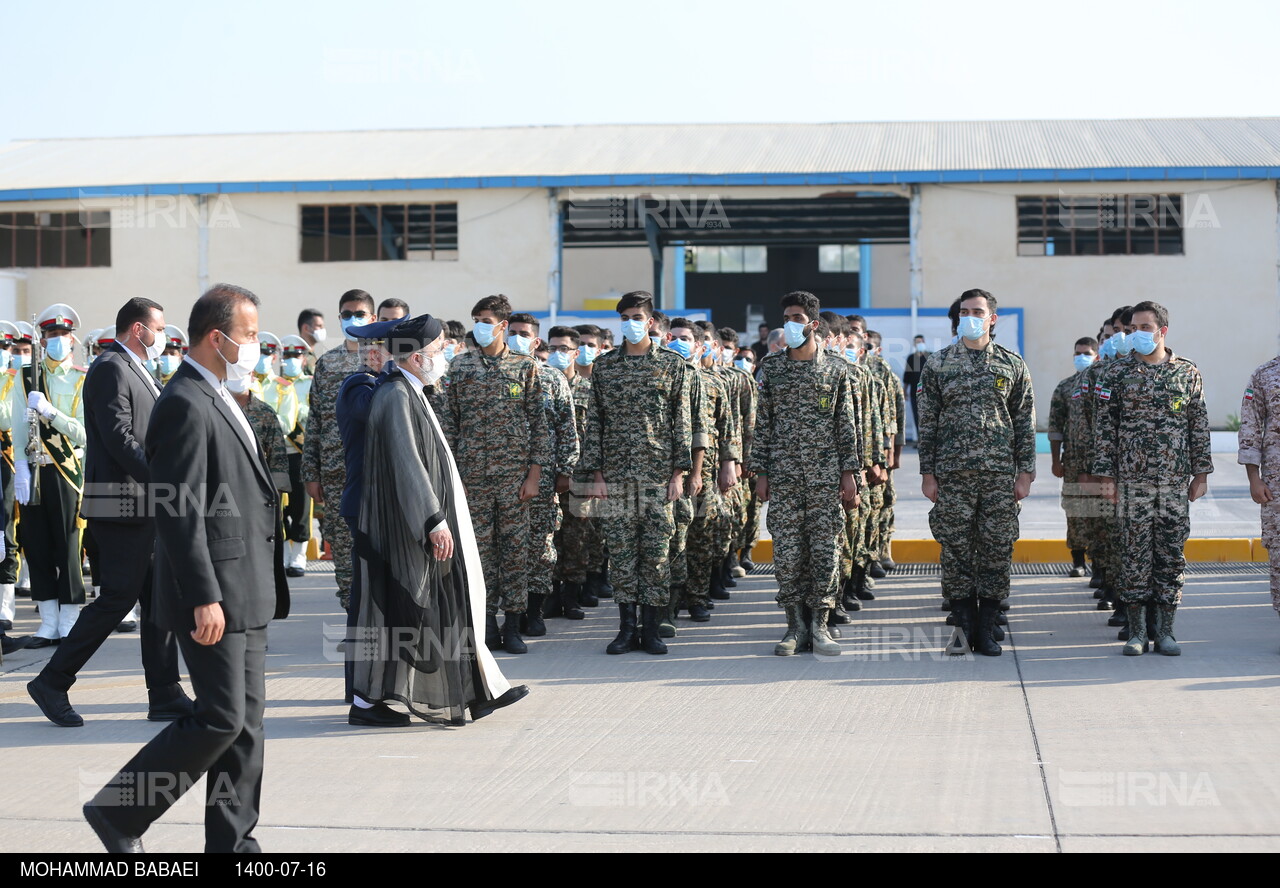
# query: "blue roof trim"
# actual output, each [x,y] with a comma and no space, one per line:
[463,183]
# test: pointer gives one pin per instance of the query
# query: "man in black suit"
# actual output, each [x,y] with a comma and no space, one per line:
[119,395]
[219,581]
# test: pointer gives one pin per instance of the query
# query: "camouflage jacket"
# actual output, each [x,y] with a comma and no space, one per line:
[561,424]
[496,419]
[746,386]
[1152,423]
[860,381]
[580,391]
[322,449]
[718,421]
[806,421]
[873,425]
[1060,424]
[896,411]
[1259,414]
[1082,409]
[266,425]
[977,412]
[639,422]
[729,445]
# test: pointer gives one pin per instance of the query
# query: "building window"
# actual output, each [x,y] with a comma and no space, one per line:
[370,232]
[726,260]
[840,259]
[55,240]
[1100,225]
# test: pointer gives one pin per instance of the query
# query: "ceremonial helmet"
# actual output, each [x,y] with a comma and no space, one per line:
[26,332]
[106,336]
[269,342]
[175,337]
[58,316]
[293,346]
[8,333]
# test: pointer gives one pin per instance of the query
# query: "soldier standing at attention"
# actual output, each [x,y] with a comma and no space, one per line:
[289,395]
[1066,452]
[496,424]
[896,436]
[324,470]
[638,447]
[806,459]
[571,538]
[597,585]
[1260,455]
[977,462]
[175,346]
[544,512]
[312,330]
[1152,439]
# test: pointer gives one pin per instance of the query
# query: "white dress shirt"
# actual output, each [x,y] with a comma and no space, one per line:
[226,397]
[143,367]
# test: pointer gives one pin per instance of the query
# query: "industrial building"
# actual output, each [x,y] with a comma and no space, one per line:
[1061,220]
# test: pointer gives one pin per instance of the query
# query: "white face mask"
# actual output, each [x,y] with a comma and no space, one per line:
[319,335]
[437,368]
[237,386]
[156,348]
[245,361]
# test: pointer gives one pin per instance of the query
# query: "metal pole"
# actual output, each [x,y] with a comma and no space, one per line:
[917,269]
[202,244]
[555,281]
[677,298]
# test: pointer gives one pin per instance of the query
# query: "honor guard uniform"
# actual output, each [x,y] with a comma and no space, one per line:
[91,349]
[175,346]
[49,476]
[289,396]
[265,373]
[12,403]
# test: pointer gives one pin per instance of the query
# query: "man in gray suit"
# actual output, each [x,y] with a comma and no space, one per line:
[219,581]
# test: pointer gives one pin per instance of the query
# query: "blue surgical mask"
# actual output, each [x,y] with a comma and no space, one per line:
[793,333]
[560,360]
[291,367]
[264,366]
[1108,348]
[350,323]
[972,329]
[682,348]
[635,331]
[168,364]
[743,364]
[920,346]
[1083,361]
[851,354]
[21,361]
[521,345]
[449,351]
[1143,341]
[484,333]
[586,355]
[1123,344]
[655,339]
[57,347]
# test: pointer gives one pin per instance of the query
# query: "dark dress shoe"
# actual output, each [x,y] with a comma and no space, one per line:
[481,708]
[9,645]
[54,704]
[380,716]
[39,641]
[294,572]
[6,625]
[112,839]
[127,626]
[171,710]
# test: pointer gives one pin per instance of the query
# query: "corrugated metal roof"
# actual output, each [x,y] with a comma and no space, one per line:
[569,154]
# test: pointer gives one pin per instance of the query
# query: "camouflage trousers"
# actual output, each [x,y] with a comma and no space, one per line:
[806,521]
[853,541]
[885,542]
[1154,522]
[736,520]
[975,521]
[682,514]
[575,538]
[709,540]
[1271,539]
[638,525]
[544,522]
[751,525]
[333,529]
[873,507]
[503,527]
[1079,507]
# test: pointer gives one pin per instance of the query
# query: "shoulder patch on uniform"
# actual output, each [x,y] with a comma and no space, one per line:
[1002,383]
[1104,393]
[1176,404]
[514,390]
[1248,394]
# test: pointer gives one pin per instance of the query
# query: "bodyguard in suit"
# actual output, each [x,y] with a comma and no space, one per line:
[218,583]
[119,395]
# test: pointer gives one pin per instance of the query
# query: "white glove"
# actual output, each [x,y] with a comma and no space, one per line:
[40,404]
[21,481]
[3,552]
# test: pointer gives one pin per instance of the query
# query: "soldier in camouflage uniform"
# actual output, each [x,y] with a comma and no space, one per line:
[324,471]
[496,424]
[896,437]
[1152,439]
[1067,453]
[571,540]
[639,439]
[806,458]
[1100,525]
[744,412]
[977,462]
[265,423]
[720,539]
[745,364]
[1260,455]
[880,398]
[597,585]
[544,512]
[682,340]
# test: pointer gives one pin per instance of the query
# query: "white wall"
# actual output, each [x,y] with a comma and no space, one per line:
[1221,293]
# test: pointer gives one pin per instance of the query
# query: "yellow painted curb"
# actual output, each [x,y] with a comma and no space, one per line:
[1260,551]
[1049,551]
[762,552]
[916,551]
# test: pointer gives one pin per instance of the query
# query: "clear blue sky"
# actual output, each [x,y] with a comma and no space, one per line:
[78,68]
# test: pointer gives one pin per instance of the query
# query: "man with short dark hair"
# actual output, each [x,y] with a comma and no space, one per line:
[119,396]
[760,347]
[911,376]
[497,426]
[572,538]
[219,581]
[895,422]
[323,469]
[312,330]
[1066,452]
[392,309]
[1152,458]
[639,437]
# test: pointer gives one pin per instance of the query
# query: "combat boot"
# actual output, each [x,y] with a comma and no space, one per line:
[667,625]
[698,612]
[1077,563]
[849,595]
[650,641]
[626,639]
[588,595]
[888,563]
[554,606]
[963,616]
[1099,577]
[492,634]
[1165,642]
[838,617]
[862,591]
[717,590]
[1106,599]
[606,587]
[820,635]
[1152,627]
[876,569]
[985,643]
[790,643]
[1137,643]
[569,593]
[735,565]
[804,639]
[512,643]
[726,573]
[946,605]
[745,561]
[531,621]
[1120,616]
